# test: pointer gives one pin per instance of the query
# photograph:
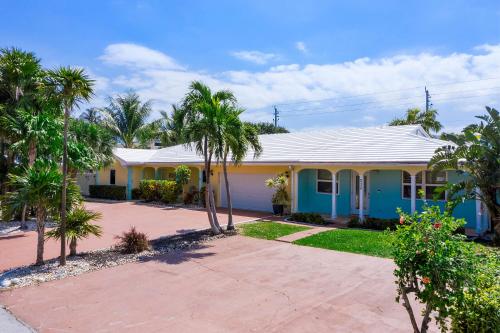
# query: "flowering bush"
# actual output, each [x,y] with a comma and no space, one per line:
[159,190]
[433,263]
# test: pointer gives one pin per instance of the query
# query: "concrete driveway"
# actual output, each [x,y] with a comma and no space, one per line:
[20,249]
[235,284]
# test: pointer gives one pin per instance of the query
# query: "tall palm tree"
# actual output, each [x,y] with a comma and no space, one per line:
[20,80]
[127,118]
[170,127]
[72,86]
[90,146]
[427,119]
[92,115]
[200,131]
[78,227]
[235,138]
[477,154]
[37,186]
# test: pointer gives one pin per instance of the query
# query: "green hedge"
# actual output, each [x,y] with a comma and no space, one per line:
[313,218]
[373,223]
[113,192]
[159,190]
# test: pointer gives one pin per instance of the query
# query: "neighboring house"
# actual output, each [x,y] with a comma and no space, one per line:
[372,170]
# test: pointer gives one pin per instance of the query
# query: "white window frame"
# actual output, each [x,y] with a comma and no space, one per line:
[423,185]
[337,185]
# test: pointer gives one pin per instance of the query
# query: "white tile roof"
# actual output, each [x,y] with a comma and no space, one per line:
[385,144]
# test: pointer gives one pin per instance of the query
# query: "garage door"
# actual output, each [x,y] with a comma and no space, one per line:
[248,191]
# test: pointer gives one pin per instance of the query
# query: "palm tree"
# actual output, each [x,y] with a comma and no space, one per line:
[91,146]
[427,119]
[37,186]
[92,115]
[477,155]
[169,128]
[78,227]
[127,119]
[20,80]
[200,130]
[71,86]
[235,138]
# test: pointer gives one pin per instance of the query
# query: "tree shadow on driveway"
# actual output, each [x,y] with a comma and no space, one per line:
[179,256]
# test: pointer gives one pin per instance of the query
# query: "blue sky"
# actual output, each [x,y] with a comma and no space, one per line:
[361,62]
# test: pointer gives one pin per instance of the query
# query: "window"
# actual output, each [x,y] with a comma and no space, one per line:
[324,182]
[425,181]
[112,177]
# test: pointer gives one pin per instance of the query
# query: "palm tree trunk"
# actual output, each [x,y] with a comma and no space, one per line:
[72,247]
[40,226]
[230,224]
[208,206]
[31,161]
[62,258]
[212,202]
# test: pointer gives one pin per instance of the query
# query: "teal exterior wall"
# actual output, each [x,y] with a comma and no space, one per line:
[310,201]
[385,196]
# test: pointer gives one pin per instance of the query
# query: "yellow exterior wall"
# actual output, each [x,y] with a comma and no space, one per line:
[120,175]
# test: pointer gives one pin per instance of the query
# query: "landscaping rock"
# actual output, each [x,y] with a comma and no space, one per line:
[99,259]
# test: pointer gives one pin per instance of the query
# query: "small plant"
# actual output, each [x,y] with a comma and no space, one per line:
[78,227]
[280,197]
[133,241]
[313,218]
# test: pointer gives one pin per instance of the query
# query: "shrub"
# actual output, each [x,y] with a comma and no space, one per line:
[132,241]
[313,218]
[113,192]
[478,310]
[136,193]
[433,263]
[373,223]
[159,190]
[182,174]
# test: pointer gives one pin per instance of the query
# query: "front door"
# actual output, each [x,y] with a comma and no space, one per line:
[355,193]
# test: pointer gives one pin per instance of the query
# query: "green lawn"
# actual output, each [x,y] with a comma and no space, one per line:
[269,229]
[372,243]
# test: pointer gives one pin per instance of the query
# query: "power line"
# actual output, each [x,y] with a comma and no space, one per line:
[381,107]
[386,92]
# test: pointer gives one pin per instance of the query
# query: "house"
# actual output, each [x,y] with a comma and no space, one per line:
[371,171]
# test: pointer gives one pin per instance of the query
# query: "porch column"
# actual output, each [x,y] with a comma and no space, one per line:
[413,192]
[334,194]
[200,178]
[157,173]
[295,191]
[479,213]
[361,196]
[130,177]
[97,177]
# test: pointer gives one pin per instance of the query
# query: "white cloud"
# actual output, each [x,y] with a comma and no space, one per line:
[137,56]
[256,57]
[158,77]
[301,46]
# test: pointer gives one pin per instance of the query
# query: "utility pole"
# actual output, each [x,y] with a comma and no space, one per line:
[276,116]
[428,103]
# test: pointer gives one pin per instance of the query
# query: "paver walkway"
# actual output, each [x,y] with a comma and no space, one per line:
[302,234]
[235,284]
[20,249]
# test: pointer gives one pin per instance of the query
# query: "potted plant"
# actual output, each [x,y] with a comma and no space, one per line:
[280,197]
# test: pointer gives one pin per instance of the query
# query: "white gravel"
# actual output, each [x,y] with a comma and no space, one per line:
[96,260]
